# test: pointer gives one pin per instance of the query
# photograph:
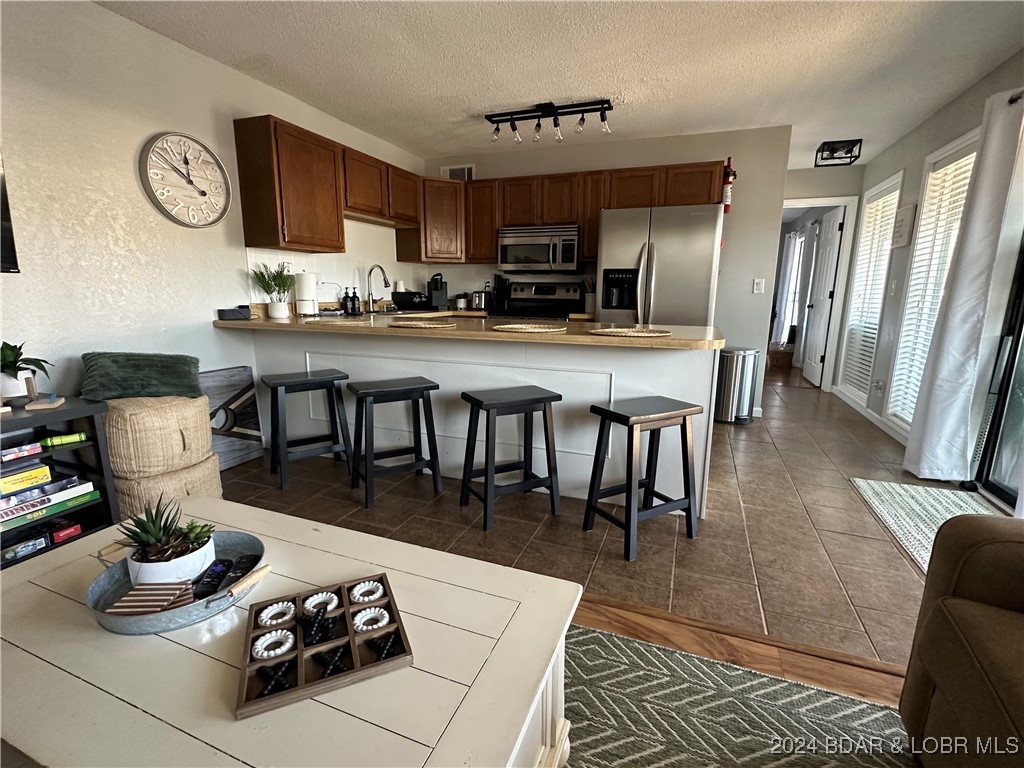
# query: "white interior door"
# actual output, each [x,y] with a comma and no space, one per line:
[820,297]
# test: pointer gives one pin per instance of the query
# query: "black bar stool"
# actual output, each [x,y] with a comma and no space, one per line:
[329,381]
[643,414]
[416,390]
[504,402]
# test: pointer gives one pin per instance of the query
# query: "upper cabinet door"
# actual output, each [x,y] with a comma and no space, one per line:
[403,195]
[366,184]
[311,189]
[520,202]
[636,187]
[694,183]
[559,199]
[482,221]
[593,197]
[443,220]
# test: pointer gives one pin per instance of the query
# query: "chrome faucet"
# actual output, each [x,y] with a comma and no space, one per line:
[369,285]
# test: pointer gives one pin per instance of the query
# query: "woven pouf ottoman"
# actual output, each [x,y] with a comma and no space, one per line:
[202,479]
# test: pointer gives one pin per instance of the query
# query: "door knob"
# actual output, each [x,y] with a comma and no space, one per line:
[810,306]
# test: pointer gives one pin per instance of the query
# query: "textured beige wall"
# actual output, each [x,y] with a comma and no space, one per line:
[825,182]
[751,231]
[82,90]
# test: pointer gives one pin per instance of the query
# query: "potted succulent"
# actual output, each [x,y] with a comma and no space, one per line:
[165,551]
[277,284]
[16,369]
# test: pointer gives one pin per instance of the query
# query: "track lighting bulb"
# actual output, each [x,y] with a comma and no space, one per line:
[604,122]
[516,138]
[494,133]
[558,130]
[536,131]
[580,123]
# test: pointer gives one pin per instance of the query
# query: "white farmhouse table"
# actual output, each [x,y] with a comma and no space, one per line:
[485,688]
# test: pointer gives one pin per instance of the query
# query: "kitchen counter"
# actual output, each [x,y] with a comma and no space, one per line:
[481,329]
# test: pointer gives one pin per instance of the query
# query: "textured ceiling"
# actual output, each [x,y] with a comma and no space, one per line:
[421,74]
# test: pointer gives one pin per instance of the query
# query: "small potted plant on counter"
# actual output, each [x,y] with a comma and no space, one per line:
[16,369]
[165,551]
[277,284]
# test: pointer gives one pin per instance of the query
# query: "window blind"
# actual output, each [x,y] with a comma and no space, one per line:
[937,227]
[868,291]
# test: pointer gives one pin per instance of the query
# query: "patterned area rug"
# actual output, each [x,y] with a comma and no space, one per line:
[636,704]
[913,513]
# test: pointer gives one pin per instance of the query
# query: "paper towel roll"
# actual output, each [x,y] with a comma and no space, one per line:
[305,294]
[400,286]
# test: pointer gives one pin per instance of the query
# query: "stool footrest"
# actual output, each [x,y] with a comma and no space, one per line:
[615,490]
[500,469]
[505,489]
[301,441]
[673,505]
[381,469]
[319,450]
[391,453]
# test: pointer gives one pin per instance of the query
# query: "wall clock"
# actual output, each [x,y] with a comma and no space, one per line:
[185,180]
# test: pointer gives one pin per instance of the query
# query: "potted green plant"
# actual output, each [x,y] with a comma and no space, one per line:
[16,369]
[163,549]
[277,284]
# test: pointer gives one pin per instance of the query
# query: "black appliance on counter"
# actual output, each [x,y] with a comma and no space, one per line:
[437,290]
[410,300]
[556,301]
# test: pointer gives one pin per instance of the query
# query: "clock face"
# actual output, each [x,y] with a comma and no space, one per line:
[185,180]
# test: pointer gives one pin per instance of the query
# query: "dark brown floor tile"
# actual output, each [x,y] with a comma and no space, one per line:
[779,525]
[867,472]
[389,511]
[428,533]
[765,496]
[566,530]
[727,500]
[299,489]
[323,509]
[722,601]
[653,565]
[627,590]
[822,635]
[446,509]
[531,507]
[773,463]
[721,480]
[754,433]
[831,478]
[794,594]
[501,553]
[845,521]
[420,487]
[799,555]
[894,591]
[343,491]
[892,635]
[765,450]
[507,535]
[807,459]
[322,468]
[728,528]
[356,522]
[714,558]
[559,562]
[656,532]
[755,477]
[241,491]
[822,496]
[237,472]
[875,554]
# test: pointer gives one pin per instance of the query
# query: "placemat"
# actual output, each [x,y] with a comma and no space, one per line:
[633,332]
[333,321]
[425,324]
[529,328]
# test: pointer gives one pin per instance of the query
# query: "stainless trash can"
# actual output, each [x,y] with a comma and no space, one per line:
[734,395]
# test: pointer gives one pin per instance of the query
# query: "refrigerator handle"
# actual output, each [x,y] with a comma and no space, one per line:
[649,298]
[641,283]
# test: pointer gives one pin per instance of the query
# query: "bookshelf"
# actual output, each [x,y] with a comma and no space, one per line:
[88,460]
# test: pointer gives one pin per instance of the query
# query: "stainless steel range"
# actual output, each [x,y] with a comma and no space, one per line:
[515,298]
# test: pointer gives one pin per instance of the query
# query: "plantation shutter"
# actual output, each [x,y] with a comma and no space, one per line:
[868,291]
[937,227]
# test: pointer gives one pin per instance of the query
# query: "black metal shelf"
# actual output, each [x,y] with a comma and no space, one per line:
[14,466]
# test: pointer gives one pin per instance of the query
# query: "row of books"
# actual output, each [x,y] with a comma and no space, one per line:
[34,493]
[31,449]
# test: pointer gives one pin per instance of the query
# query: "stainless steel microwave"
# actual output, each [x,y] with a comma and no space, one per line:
[538,249]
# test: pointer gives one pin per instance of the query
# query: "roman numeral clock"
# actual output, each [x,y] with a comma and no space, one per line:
[185,180]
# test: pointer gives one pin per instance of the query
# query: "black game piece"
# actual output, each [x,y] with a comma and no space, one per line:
[210,583]
[242,566]
[331,661]
[384,646]
[276,677]
[319,628]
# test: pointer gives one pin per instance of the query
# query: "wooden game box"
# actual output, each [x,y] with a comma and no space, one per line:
[304,672]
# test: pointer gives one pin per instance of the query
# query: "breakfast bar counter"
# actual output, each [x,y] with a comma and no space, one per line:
[586,369]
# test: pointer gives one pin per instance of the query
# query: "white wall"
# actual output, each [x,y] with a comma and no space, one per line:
[751,230]
[845,181]
[82,91]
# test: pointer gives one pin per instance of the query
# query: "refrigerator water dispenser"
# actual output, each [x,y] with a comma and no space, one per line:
[620,289]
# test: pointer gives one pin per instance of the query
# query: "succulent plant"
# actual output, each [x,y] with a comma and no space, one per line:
[157,536]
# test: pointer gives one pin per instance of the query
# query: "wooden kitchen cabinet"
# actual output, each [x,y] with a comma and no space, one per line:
[403,195]
[520,202]
[593,197]
[694,183]
[636,187]
[559,199]
[291,186]
[366,184]
[440,237]
[482,222]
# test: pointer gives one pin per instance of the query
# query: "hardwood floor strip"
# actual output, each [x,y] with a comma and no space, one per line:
[879,687]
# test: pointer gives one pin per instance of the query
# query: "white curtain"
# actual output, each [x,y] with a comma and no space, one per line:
[779,330]
[954,387]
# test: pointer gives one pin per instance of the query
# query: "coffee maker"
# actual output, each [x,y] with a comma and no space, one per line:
[437,291]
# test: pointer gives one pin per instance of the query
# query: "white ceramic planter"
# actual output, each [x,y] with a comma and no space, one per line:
[179,569]
[277,310]
[15,387]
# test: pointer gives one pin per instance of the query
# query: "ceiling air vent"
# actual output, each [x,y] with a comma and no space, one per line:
[460,172]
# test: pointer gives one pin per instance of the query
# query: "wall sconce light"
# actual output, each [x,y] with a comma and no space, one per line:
[843,152]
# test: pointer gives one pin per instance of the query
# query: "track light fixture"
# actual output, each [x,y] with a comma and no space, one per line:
[553,112]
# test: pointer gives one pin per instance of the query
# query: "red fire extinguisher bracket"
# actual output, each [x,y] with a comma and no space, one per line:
[727,178]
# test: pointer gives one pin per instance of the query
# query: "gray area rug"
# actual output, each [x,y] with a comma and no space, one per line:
[913,513]
[636,704]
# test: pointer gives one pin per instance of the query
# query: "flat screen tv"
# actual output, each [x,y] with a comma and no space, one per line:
[8,255]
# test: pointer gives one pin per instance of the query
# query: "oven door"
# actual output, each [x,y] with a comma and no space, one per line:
[526,254]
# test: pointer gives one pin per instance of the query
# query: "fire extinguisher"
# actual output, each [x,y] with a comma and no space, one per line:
[728,177]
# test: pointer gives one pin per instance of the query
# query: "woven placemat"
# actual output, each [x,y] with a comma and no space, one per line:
[529,328]
[425,324]
[632,332]
[333,321]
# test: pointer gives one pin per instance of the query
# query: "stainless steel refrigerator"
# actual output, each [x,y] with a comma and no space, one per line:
[659,265]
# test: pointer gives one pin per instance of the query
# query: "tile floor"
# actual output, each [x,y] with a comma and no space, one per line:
[787,547]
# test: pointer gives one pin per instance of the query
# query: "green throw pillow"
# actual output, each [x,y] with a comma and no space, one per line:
[112,375]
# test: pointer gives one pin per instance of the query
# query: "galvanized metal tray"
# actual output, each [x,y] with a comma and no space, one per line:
[111,585]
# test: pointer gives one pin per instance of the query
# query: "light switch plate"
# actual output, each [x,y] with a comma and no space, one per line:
[759,285]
